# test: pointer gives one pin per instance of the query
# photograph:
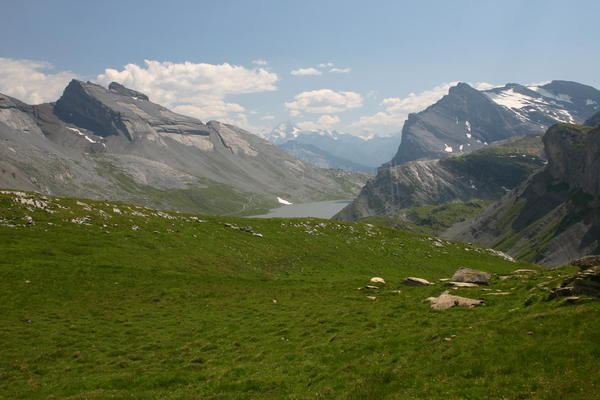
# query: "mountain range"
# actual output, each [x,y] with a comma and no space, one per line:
[114,143]
[554,216]
[467,119]
[332,149]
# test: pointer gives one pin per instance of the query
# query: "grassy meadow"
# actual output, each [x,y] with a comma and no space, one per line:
[103,300]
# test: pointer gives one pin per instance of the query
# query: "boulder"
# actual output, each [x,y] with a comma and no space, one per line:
[377,279]
[412,281]
[585,283]
[587,262]
[447,300]
[471,276]
[461,284]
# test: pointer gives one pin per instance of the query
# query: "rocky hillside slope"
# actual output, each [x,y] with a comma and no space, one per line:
[116,144]
[486,174]
[468,119]
[554,217]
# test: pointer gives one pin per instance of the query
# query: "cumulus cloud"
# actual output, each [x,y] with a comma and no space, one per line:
[196,89]
[340,70]
[323,122]
[305,71]
[396,109]
[260,62]
[324,101]
[267,117]
[326,65]
[32,81]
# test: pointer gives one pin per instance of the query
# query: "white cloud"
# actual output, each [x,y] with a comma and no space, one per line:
[241,121]
[196,89]
[341,70]
[260,62]
[208,110]
[305,71]
[267,117]
[324,101]
[27,80]
[326,65]
[484,85]
[323,122]
[396,109]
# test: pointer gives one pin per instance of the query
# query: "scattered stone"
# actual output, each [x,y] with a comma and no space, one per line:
[504,277]
[525,271]
[498,294]
[444,279]
[396,291]
[502,255]
[377,279]
[371,297]
[135,228]
[274,301]
[257,234]
[29,220]
[461,284]
[586,282]
[371,287]
[447,300]
[412,281]
[471,276]
[587,262]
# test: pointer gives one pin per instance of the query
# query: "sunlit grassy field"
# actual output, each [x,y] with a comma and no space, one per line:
[109,301]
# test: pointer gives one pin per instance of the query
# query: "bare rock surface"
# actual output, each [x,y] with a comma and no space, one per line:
[447,300]
[471,276]
[412,281]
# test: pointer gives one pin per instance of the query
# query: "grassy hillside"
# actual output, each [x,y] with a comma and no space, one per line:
[429,220]
[103,300]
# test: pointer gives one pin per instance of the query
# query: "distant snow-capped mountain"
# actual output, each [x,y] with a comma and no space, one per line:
[332,149]
[467,119]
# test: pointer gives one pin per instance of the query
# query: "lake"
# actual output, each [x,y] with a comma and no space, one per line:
[318,209]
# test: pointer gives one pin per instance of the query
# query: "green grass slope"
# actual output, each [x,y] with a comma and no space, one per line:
[104,300]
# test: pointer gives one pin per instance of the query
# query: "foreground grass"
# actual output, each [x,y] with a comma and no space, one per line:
[183,309]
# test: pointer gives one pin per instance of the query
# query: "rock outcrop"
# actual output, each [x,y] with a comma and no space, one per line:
[447,300]
[554,216]
[486,174]
[468,275]
[116,144]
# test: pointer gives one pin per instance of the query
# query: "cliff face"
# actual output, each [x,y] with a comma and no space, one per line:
[553,217]
[485,174]
[116,144]
[467,119]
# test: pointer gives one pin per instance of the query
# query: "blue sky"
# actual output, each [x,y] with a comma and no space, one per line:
[369,56]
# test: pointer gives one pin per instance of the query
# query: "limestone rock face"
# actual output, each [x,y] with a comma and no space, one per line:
[554,216]
[469,275]
[472,119]
[116,144]
[485,174]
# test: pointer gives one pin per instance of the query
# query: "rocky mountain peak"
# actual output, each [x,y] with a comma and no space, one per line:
[122,90]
